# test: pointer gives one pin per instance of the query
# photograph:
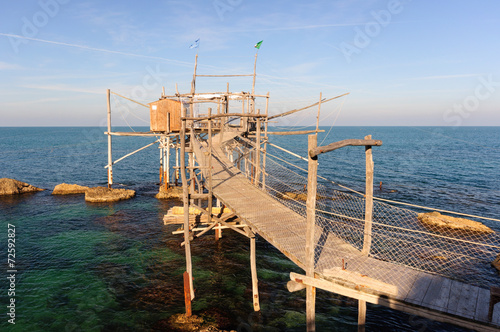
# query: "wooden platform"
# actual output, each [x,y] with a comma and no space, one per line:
[417,292]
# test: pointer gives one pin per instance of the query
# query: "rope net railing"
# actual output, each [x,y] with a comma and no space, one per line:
[399,236]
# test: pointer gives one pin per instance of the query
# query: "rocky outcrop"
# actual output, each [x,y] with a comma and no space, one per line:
[14,187]
[171,192]
[103,194]
[69,189]
[437,221]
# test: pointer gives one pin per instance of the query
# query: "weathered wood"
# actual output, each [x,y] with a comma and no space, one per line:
[224,115]
[340,144]
[293,286]
[390,303]
[362,281]
[253,268]
[367,238]
[361,315]
[437,295]
[483,301]
[298,132]
[185,201]
[419,289]
[110,158]
[312,182]
[187,293]
[319,109]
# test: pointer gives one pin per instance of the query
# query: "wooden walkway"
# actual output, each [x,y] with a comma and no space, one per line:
[412,291]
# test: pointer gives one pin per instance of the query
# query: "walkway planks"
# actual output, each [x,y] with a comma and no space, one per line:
[420,293]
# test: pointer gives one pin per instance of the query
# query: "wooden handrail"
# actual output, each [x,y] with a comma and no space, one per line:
[340,144]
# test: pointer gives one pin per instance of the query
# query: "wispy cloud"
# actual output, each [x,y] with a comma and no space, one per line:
[9,66]
[182,63]
[444,77]
[61,87]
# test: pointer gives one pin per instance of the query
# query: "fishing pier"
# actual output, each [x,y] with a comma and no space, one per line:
[347,242]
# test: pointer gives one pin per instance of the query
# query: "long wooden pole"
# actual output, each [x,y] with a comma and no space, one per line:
[254,72]
[368,199]
[311,221]
[257,151]
[253,268]
[264,154]
[110,157]
[185,200]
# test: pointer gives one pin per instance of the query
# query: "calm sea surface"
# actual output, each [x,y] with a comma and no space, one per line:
[116,267]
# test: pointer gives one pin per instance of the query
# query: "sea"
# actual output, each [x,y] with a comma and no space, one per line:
[82,266]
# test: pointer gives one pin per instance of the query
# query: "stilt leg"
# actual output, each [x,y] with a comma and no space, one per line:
[253,267]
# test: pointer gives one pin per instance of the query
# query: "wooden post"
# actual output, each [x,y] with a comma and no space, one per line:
[254,72]
[319,108]
[253,268]
[187,293]
[368,199]
[110,157]
[265,145]
[257,151]
[167,166]
[218,232]
[185,200]
[361,315]
[311,221]
[193,82]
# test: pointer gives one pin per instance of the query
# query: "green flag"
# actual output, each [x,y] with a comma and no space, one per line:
[257,46]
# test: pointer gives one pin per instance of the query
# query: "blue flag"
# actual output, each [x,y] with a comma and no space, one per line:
[195,44]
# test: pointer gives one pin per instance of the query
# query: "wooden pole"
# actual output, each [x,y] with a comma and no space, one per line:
[167,166]
[368,199]
[265,144]
[185,200]
[319,109]
[110,157]
[193,82]
[257,151]
[361,315]
[311,221]
[253,268]
[187,293]
[254,72]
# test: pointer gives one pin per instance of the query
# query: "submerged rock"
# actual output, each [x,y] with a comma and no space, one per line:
[442,222]
[103,194]
[69,189]
[496,262]
[14,187]
[171,192]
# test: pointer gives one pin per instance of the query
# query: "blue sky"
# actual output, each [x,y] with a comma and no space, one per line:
[403,62]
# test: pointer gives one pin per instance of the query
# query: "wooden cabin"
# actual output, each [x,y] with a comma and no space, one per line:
[165,115]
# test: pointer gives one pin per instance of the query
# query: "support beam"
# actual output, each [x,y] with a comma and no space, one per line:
[311,221]
[253,268]
[361,315]
[367,241]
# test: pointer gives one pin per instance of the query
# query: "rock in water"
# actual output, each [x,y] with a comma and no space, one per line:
[171,192]
[103,194]
[496,262]
[69,189]
[439,221]
[13,187]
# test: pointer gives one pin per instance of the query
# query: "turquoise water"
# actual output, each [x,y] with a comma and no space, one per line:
[116,267]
